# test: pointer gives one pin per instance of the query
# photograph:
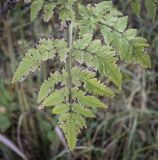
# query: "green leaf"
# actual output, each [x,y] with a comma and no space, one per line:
[4,122]
[83,111]
[130,33]
[136,6]
[139,42]
[83,42]
[71,124]
[61,108]
[61,48]
[35,8]
[68,125]
[95,87]
[117,41]
[90,54]
[34,58]
[90,61]
[84,74]
[83,11]
[123,46]
[151,8]
[112,71]
[121,24]
[78,75]
[55,98]
[88,101]
[85,28]
[48,85]
[48,11]
[66,15]
[94,46]
[142,59]
[127,49]
[106,32]
[78,55]
[107,64]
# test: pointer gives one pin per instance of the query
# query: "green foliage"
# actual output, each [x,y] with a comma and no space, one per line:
[78,108]
[88,101]
[78,86]
[4,122]
[48,85]
[71,124]
[151,7]
[35,8]
[45,50]
[55,97]
[136,6]
[47,9]
[61,108]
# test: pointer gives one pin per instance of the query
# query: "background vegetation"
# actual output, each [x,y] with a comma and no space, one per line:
[128,130]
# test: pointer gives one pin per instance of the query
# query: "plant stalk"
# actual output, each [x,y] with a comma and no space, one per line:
[69,61]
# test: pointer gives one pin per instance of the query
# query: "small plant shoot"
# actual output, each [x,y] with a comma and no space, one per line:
[83,55]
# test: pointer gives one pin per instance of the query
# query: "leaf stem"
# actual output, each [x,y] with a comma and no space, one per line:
[69,61]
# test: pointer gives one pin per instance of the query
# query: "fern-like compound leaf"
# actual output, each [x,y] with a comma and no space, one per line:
[35,8]
[130,33]
[91,84]
[79,109]
[61,108]
[103,58]
[95,87]
[61,48]
[83,42]
[143,59]
[48,11]
[55,98]
[72,92]
[33,59]
[121,24]
[113,28]
[88,101]
[136,6]
[45,50]
[71,124]
[48,85]
[151,8]
[107,35]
